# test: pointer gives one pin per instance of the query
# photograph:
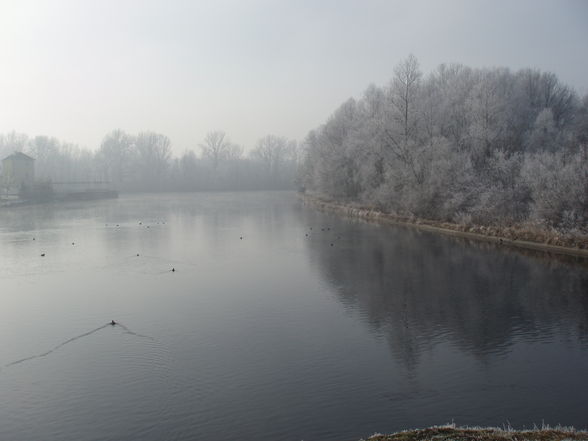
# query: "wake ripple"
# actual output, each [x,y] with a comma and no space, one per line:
[71,340]
[128,331]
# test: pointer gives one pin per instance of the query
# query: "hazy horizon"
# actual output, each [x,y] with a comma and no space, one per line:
[77,71]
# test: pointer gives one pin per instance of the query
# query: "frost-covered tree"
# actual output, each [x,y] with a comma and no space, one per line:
[401,124]
[543,134]
[559,189]
[460,144]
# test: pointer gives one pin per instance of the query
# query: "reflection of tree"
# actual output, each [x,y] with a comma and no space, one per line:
[419,288]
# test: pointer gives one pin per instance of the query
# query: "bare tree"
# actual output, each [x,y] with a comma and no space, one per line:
[234,152]
[115,155]
[217,147]
[403,95]
[274,152]
[12,142]
[46,152]
[398,123]
[153,157]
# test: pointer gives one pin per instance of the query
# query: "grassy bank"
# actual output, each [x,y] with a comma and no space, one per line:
[447,433]
[521,236]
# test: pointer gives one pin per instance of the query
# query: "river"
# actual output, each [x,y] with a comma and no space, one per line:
[250,316]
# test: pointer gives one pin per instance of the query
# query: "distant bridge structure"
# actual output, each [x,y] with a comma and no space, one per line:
[64,190]
[76,186]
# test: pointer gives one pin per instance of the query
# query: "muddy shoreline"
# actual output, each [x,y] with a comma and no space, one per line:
[522,237]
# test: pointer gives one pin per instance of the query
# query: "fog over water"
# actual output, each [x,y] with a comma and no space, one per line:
[278,322]
[162,277]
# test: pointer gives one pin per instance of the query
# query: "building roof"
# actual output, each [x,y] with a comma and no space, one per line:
[19,155]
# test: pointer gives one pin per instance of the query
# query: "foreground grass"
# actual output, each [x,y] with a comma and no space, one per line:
[452,433]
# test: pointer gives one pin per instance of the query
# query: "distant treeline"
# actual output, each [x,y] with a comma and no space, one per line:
[483,146]
[145,163]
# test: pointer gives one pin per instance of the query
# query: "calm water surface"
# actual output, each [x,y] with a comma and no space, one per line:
[310,327]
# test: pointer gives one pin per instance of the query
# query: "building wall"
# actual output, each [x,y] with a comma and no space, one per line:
[16,172]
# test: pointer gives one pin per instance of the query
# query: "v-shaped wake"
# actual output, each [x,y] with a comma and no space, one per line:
[71,340]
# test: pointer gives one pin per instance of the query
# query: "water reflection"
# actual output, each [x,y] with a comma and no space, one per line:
[418,288]
[283,334]
[110,234]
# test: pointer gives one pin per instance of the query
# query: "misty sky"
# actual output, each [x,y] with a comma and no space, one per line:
[78,69]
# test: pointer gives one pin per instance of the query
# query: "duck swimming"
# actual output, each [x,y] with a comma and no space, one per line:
[112,322]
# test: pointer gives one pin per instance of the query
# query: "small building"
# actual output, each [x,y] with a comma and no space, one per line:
[18,171]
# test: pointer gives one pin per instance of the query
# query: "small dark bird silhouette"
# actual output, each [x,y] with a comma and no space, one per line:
[43,255]
[112,322]
[137,254]
[33,238]
[73,243]
[140,223]
[173,270]
[241,237]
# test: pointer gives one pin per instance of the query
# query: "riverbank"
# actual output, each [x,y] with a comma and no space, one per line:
[86,195]
[520,236]
[452,433]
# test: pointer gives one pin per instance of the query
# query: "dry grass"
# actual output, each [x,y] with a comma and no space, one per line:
[525,235]
[452,433]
